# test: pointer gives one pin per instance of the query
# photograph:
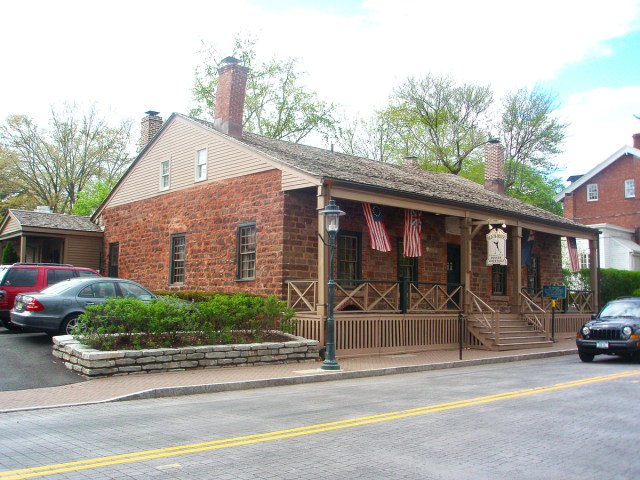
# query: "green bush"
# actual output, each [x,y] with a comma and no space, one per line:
[171,322]
[618,283]
[9,254]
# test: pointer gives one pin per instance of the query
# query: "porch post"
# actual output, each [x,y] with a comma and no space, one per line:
[321,306]
[594,267]
[465,261]
[516,257]
[23,248]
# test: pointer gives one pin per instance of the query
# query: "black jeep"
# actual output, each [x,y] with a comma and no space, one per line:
[614,331]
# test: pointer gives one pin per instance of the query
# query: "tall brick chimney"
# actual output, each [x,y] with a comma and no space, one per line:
[494,166]
[230,97]
[150,125]
[636,141]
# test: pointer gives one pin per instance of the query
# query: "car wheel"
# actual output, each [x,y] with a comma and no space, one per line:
[69,325]
[585,357]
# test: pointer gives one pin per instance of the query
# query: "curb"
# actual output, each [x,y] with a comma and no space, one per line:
[327,377]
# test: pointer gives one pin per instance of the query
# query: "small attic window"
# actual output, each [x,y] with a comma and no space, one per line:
[592,192]
[629,188]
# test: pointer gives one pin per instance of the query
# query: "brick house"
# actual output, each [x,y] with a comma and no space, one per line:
[206,206]
[606,198]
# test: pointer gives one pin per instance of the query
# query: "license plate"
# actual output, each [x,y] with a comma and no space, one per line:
[602,344]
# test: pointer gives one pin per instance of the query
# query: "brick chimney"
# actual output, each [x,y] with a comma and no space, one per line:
[636,141]
[230,97]
[494,166]
[150,125]
[411,161]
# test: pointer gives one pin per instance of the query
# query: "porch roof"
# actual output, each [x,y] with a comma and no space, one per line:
[441,188]
[55,221]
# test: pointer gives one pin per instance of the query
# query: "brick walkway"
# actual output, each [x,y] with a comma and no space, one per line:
[153,385]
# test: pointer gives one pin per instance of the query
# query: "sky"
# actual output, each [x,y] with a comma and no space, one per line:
[128,57]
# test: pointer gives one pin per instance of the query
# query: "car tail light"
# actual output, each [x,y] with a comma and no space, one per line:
[3,296]
[32,305]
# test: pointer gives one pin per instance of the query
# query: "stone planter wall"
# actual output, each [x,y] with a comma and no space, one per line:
[95,363]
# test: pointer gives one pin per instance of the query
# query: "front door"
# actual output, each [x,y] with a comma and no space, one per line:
[453,273]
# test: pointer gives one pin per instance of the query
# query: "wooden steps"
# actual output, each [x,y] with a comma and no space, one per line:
[515,334]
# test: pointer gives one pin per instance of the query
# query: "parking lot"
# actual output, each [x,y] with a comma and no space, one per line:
[27,362]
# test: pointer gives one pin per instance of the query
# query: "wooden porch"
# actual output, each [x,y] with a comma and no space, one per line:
[382,317]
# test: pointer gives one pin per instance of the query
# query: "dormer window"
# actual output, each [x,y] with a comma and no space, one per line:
[201,165]
[629,188]
[592,192]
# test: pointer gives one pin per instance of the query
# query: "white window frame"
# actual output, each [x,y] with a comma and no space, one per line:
[592,192]
[630,188]
[202,159]
[165,176]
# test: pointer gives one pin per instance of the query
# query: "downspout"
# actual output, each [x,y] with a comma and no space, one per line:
[323,266]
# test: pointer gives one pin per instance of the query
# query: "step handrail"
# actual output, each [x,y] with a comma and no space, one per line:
[483,312]
[530,311]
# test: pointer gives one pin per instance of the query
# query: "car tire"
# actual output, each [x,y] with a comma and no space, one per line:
[69,324]
[586,357]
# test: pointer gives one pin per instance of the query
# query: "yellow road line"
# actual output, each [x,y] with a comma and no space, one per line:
[296,432]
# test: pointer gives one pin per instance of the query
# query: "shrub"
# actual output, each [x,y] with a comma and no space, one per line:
[171,322]
[618,283]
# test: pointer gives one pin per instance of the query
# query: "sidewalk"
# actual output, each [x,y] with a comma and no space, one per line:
[155,385]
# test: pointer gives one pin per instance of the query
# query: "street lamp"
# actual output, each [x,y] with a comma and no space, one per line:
[332,214]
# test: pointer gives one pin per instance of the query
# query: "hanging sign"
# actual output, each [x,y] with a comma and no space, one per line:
[497,247]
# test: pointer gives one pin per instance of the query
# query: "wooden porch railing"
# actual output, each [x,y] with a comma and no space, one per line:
[378,296]
[577,300]
[480,311]
[534,314]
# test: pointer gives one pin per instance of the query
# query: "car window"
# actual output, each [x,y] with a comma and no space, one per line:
[57,288]
[99,290]
[86,273]
[58,275]
[131,290]
[20,277]
[621,309]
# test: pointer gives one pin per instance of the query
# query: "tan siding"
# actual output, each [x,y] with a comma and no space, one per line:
[291,181]
[83,251]
[178,143]
[12,226]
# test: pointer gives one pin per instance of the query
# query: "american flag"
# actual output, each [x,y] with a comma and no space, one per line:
[377,233]
[412,245]
[573,254]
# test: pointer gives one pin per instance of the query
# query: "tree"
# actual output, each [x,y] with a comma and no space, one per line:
[91,197]
[13,194]
[55,166]
[9,254]
[531,136]
[276,104]
[445,120]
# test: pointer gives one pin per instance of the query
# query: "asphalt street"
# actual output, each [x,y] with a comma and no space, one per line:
[539,419]
[27,362]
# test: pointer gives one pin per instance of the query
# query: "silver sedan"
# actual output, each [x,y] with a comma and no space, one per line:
[55,310]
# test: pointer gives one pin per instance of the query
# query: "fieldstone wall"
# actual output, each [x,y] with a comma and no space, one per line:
[95,363]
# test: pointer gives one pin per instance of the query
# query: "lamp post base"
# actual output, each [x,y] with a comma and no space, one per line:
[330,365]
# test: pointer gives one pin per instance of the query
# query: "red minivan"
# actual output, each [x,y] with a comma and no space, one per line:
[32,277]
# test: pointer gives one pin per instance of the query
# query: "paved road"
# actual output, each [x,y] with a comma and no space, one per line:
[27,362]
[541,419]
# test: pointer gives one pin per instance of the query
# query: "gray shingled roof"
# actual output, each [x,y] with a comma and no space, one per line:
[433,187]
[28,218]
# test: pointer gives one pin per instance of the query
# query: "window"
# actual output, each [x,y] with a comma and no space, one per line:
[58,275]
[114,258]
[178,258]
[21,277]
[349,258]
[583,258]
[629,188]
[592,192]
[498,280]
[164,175]
[201,164]
[246,252]
[533,274]
[407,266]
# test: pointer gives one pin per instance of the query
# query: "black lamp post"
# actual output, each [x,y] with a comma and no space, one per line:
[332,214]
